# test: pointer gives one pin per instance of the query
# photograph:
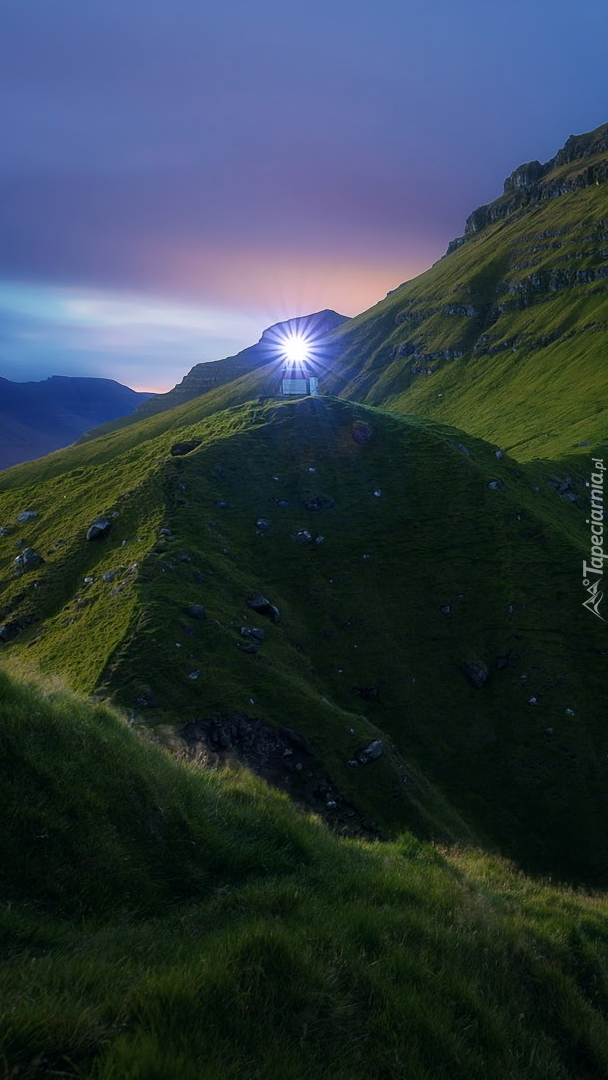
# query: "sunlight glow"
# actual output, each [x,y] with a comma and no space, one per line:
[296,349]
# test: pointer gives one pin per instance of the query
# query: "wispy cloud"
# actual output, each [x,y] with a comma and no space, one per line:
[149,341]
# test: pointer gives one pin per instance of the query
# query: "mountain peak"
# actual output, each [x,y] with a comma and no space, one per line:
[582,161]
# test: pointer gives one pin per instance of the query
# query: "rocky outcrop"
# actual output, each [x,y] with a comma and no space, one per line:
[534,181]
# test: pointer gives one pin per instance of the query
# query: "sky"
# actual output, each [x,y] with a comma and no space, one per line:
[177,175]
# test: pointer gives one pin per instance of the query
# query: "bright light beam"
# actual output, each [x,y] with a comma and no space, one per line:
[296,349]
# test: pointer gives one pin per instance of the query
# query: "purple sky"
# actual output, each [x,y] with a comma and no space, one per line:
[175,176]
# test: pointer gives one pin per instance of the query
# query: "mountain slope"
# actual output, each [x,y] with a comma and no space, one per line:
[268,351]
[158,921]
[440,614]
[507,335]
[39,417]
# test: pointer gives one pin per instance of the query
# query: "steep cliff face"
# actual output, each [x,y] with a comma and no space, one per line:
[507,335]
[580,163]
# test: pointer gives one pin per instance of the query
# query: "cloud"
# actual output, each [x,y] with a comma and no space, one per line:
[151,341]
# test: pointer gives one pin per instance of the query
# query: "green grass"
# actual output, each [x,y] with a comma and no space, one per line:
[363,608]
[163,922]
[531,373]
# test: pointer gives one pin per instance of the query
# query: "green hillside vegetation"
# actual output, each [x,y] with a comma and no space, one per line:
[372,600]
[164,922]
[507,336]
[424,576]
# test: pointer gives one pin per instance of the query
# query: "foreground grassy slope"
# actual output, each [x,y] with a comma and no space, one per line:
[159,922]
[505,337]
[425,576]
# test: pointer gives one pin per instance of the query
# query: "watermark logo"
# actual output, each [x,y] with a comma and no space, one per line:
[593,571]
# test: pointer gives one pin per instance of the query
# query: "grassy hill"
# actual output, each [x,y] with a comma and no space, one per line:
[161,921]
[507,335]
[429,598]
[372,601]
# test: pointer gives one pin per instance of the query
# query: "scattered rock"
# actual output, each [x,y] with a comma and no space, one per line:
[196,611]
[263,605]
[252,632]
[371,752]
[320,502]
[361,432]
[26,515]
[584,442]
[533,700]
[377,493]
[477,674]
[180,448]
[498,454]
[221,504]
[301,537]
[10,630]
[5,531]
[502,662]
[263,524]
[99,528]
[569,712]
[283,503]
[497,485]
[168,535]
[110,575]
[194,675]
[463,449]
[446,609]
[251,648]
[319,539]
[282,756]
[28,560]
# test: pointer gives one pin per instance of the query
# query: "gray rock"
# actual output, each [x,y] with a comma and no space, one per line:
[446,609]
[196,611]
[498,454]
[26,515]
[180,448]
[301,537]
[99,528]
[28,560]
[263,606]
[110,575]
[263,524]
[502,662]
[497,485]
[361,432]
[320,502]
[463,449]
[10,630]
[371,752]
[252,632]
[250,648]
[476,673]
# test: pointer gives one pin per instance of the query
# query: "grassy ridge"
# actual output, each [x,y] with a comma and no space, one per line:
[435,572]
[181,925]
[505,337]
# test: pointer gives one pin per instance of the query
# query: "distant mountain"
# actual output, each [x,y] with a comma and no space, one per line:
[209,376]
[38,417]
